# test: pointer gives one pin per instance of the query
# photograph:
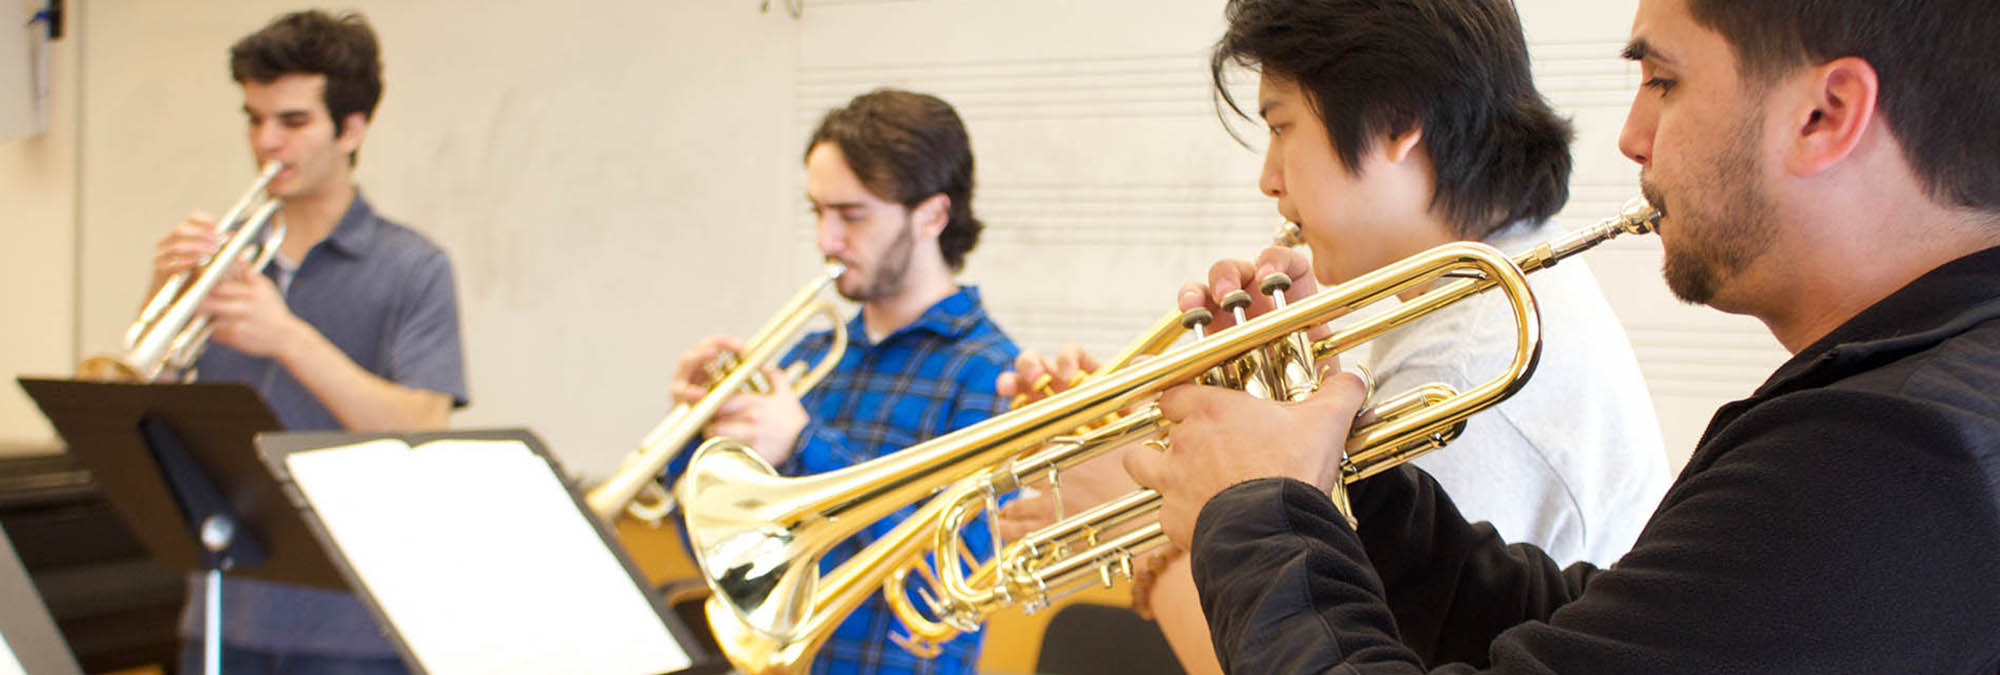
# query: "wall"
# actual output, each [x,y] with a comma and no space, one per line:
[38,262]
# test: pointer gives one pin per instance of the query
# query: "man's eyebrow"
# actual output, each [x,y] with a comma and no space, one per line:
[1639,50]
[1264,108]
[837,206]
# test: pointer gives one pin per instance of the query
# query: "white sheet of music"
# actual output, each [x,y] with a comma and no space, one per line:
[9,665]
[481,560]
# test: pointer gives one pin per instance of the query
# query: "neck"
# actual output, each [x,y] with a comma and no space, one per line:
[1426,233]
[927,282]
[1835,269]
[309,218]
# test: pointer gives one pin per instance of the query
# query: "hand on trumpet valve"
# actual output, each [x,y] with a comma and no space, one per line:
[700,366]
[1221,437]
[184,247]
[1256,278]
[1036,377]
[1096,481]
[249,315]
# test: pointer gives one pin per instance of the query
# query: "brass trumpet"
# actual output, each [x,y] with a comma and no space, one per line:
[758,538]
[168,335]
[636,487]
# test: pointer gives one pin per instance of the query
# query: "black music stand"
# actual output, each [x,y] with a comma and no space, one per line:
[444,537]
[176,463]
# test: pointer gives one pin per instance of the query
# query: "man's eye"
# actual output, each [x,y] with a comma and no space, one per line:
[1663,84]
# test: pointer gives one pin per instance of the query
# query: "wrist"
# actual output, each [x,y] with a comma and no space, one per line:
[296,340]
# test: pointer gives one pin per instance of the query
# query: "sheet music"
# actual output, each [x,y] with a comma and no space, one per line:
[9,664]
[481,560]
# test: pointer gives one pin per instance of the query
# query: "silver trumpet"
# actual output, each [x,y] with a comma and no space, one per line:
[169,335]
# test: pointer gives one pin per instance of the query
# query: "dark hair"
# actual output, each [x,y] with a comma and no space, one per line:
[905,147]
[1934,60]
[313,42]
[1457,69]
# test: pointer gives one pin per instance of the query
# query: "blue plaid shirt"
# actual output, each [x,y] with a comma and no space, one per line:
[927,379]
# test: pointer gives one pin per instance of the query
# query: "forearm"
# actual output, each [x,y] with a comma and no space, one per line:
[1453,585]
[1285,585]
[1177,610]
[360,400]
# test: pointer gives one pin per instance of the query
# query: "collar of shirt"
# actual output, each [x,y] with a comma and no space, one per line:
[951,317]
[1940,304]
[355,231]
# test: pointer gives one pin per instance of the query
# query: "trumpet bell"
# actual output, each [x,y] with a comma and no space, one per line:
[107,368]
[753,566]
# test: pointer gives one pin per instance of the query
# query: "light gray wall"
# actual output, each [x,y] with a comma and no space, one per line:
[38,260]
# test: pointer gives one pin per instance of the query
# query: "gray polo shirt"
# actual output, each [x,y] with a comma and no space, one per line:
[379,291]
[384,295]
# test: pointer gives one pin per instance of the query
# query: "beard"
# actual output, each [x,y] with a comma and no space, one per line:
[1712,245]
[886,277]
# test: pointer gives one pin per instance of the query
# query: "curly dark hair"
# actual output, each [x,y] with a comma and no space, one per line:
[312,42]
[905,147]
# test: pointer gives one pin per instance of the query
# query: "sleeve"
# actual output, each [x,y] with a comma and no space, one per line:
[426,351]
[1821,532]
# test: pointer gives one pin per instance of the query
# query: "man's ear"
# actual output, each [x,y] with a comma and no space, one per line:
[1834,116]
[353,129]
[932,214]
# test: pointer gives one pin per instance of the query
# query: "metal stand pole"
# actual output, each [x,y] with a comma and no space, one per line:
[216,533]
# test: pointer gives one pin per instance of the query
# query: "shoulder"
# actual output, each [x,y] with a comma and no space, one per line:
[986,343]
[404,248]
[1856,426]
[1961,373]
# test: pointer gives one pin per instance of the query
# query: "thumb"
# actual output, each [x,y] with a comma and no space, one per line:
[1340,395]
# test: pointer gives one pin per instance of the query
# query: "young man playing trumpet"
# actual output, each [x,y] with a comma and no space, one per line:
[1396,127]
[890,178]
[1828,167]
[354,325]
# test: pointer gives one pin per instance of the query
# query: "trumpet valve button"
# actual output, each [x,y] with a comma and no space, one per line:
[1275,284]
[1196,318]
[1235,300]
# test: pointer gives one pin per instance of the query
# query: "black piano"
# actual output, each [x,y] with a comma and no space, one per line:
[115,607]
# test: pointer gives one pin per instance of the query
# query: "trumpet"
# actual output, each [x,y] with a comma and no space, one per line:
[636,489]
[168,335]
[758,538]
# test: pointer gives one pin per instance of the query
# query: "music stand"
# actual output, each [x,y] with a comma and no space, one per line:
[176,463]
[478,554]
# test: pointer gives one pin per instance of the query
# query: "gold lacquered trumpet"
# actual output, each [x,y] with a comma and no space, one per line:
[758,538]
[168,335]
[635,489]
